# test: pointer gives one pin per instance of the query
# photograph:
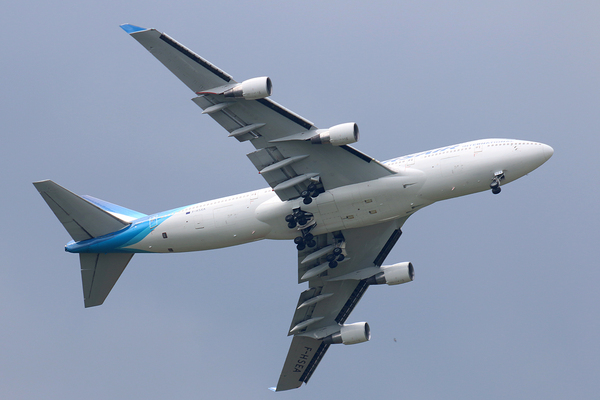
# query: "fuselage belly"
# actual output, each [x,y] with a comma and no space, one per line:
[421,180]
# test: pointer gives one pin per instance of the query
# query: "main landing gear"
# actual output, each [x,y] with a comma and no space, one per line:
[495,185]
[311,192]
[305,222]
[335,257]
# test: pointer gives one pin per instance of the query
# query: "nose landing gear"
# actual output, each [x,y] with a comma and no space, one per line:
[495,185]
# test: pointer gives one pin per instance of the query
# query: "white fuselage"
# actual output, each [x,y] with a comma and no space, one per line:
[421,180]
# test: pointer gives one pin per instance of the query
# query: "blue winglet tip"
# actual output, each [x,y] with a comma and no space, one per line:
[272,389]
[132,28]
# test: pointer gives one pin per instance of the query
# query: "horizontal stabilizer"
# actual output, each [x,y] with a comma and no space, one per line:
[80,217]
[99,273]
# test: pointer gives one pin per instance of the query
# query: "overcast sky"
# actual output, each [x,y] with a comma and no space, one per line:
[505,304]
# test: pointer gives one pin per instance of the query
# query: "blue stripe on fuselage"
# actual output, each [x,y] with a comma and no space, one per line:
[119,241]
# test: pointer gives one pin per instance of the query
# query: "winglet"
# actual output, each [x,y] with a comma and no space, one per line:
[132,28]
[273,389]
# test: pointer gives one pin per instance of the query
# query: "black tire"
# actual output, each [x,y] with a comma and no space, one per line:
[333,264]
[311,243]
[289,218]
[496,190]
[337,251]
[300,246]
[298,240]
[307,200]
[292,224]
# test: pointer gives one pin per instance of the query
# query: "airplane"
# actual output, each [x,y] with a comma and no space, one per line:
[343,209]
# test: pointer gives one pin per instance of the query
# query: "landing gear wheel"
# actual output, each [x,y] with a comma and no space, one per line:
[341,257]
[311,243]
[300,246]
[298,240]
[292,224]
[337,251]
[333,264]
[496,190]
[308,237]
[289,218]
[307,200]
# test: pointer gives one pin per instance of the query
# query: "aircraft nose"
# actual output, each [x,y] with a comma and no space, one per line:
[548,151]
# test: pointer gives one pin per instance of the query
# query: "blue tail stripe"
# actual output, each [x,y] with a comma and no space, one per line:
[132,28]
[114,208]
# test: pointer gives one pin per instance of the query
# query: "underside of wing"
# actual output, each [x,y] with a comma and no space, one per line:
[291,153]
[322,309]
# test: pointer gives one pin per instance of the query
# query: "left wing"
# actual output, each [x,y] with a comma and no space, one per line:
[333,293]
[285,156]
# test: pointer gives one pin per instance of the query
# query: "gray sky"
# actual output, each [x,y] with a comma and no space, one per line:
[505,303]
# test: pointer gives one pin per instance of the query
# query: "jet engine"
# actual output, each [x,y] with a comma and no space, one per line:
[338,135]
[350,334]
[251,89]
[394,274]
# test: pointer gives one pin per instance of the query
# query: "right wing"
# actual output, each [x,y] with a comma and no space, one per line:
[333,293]
[285,156]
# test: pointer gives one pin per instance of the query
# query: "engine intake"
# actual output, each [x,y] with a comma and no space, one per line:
[394,274]
[251,89]
[338,135]
[350,334]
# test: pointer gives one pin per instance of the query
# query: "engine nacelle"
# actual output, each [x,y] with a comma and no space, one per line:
[338,135]
[394,274]
[251,89]
[350,334]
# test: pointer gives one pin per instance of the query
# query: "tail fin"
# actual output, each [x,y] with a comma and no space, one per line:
[86,218]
